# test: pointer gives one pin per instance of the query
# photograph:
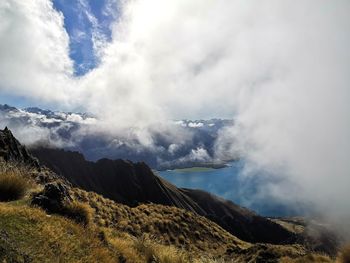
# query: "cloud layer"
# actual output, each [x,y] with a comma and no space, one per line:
[34,50]
[279,68]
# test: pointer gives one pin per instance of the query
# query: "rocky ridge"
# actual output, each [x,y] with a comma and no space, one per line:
[135,183]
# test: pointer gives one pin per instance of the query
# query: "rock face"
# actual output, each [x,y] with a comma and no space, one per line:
[12,150]
[133,183]
[53,197]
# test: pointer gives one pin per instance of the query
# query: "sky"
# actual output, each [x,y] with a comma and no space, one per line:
[88,25]
[280,69]
[87,22]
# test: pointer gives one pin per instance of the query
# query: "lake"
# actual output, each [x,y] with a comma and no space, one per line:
[230,184]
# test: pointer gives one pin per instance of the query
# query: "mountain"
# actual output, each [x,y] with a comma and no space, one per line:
[112,232]
[134,183]
[12,150]
[140,231]
[175,144]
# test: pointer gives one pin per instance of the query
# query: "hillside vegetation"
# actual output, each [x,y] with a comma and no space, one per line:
[30,235]
[100,230]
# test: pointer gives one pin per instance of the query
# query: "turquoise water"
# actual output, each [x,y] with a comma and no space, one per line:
[230,184]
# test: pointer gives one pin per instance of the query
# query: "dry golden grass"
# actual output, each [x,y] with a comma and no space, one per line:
[171,225]
[294,226]
[310,258]
[343,257]
[30,235]
[146,249]
[15,181]
[267,253]
[153,251]
[344,254]
[79,212]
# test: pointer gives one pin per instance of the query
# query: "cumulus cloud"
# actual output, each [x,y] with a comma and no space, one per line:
[34,51]
[279,68]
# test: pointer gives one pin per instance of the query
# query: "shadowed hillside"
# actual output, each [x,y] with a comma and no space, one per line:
[134,183]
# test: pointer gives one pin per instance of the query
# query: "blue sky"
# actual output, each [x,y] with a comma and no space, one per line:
[84,20]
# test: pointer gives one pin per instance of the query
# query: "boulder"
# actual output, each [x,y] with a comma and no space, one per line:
[53,197]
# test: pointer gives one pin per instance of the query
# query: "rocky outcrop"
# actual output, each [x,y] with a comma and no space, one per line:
[134,183]
[53,198]
[12,150]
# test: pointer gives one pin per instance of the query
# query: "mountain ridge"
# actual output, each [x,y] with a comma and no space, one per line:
[82,132]
[133,184]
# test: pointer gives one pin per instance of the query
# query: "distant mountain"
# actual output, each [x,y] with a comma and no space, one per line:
[183,143]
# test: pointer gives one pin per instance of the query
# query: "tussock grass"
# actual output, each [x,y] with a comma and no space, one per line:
[15,181]
[343,257]
[344,254]
[30,235]
[79,212]
[146,249]
[310,258]
[172,226]
[153,251]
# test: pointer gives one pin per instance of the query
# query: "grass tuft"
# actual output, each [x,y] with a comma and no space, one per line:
[146,249]
[79,212]
[310,258]
[14,182]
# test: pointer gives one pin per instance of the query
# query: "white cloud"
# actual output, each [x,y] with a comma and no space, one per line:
[99,39]
[199,155]
[195,124]
[78,35]
[34,51]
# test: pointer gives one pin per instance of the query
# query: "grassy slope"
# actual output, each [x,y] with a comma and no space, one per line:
[170,225]
[118,233]
[30,235]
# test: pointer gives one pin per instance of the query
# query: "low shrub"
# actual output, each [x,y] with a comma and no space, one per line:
[13,185]
[79,212]
[152,251]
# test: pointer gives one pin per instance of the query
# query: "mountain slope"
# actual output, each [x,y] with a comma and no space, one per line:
[114,232]
[240,221]
[12,150]
[131,184]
